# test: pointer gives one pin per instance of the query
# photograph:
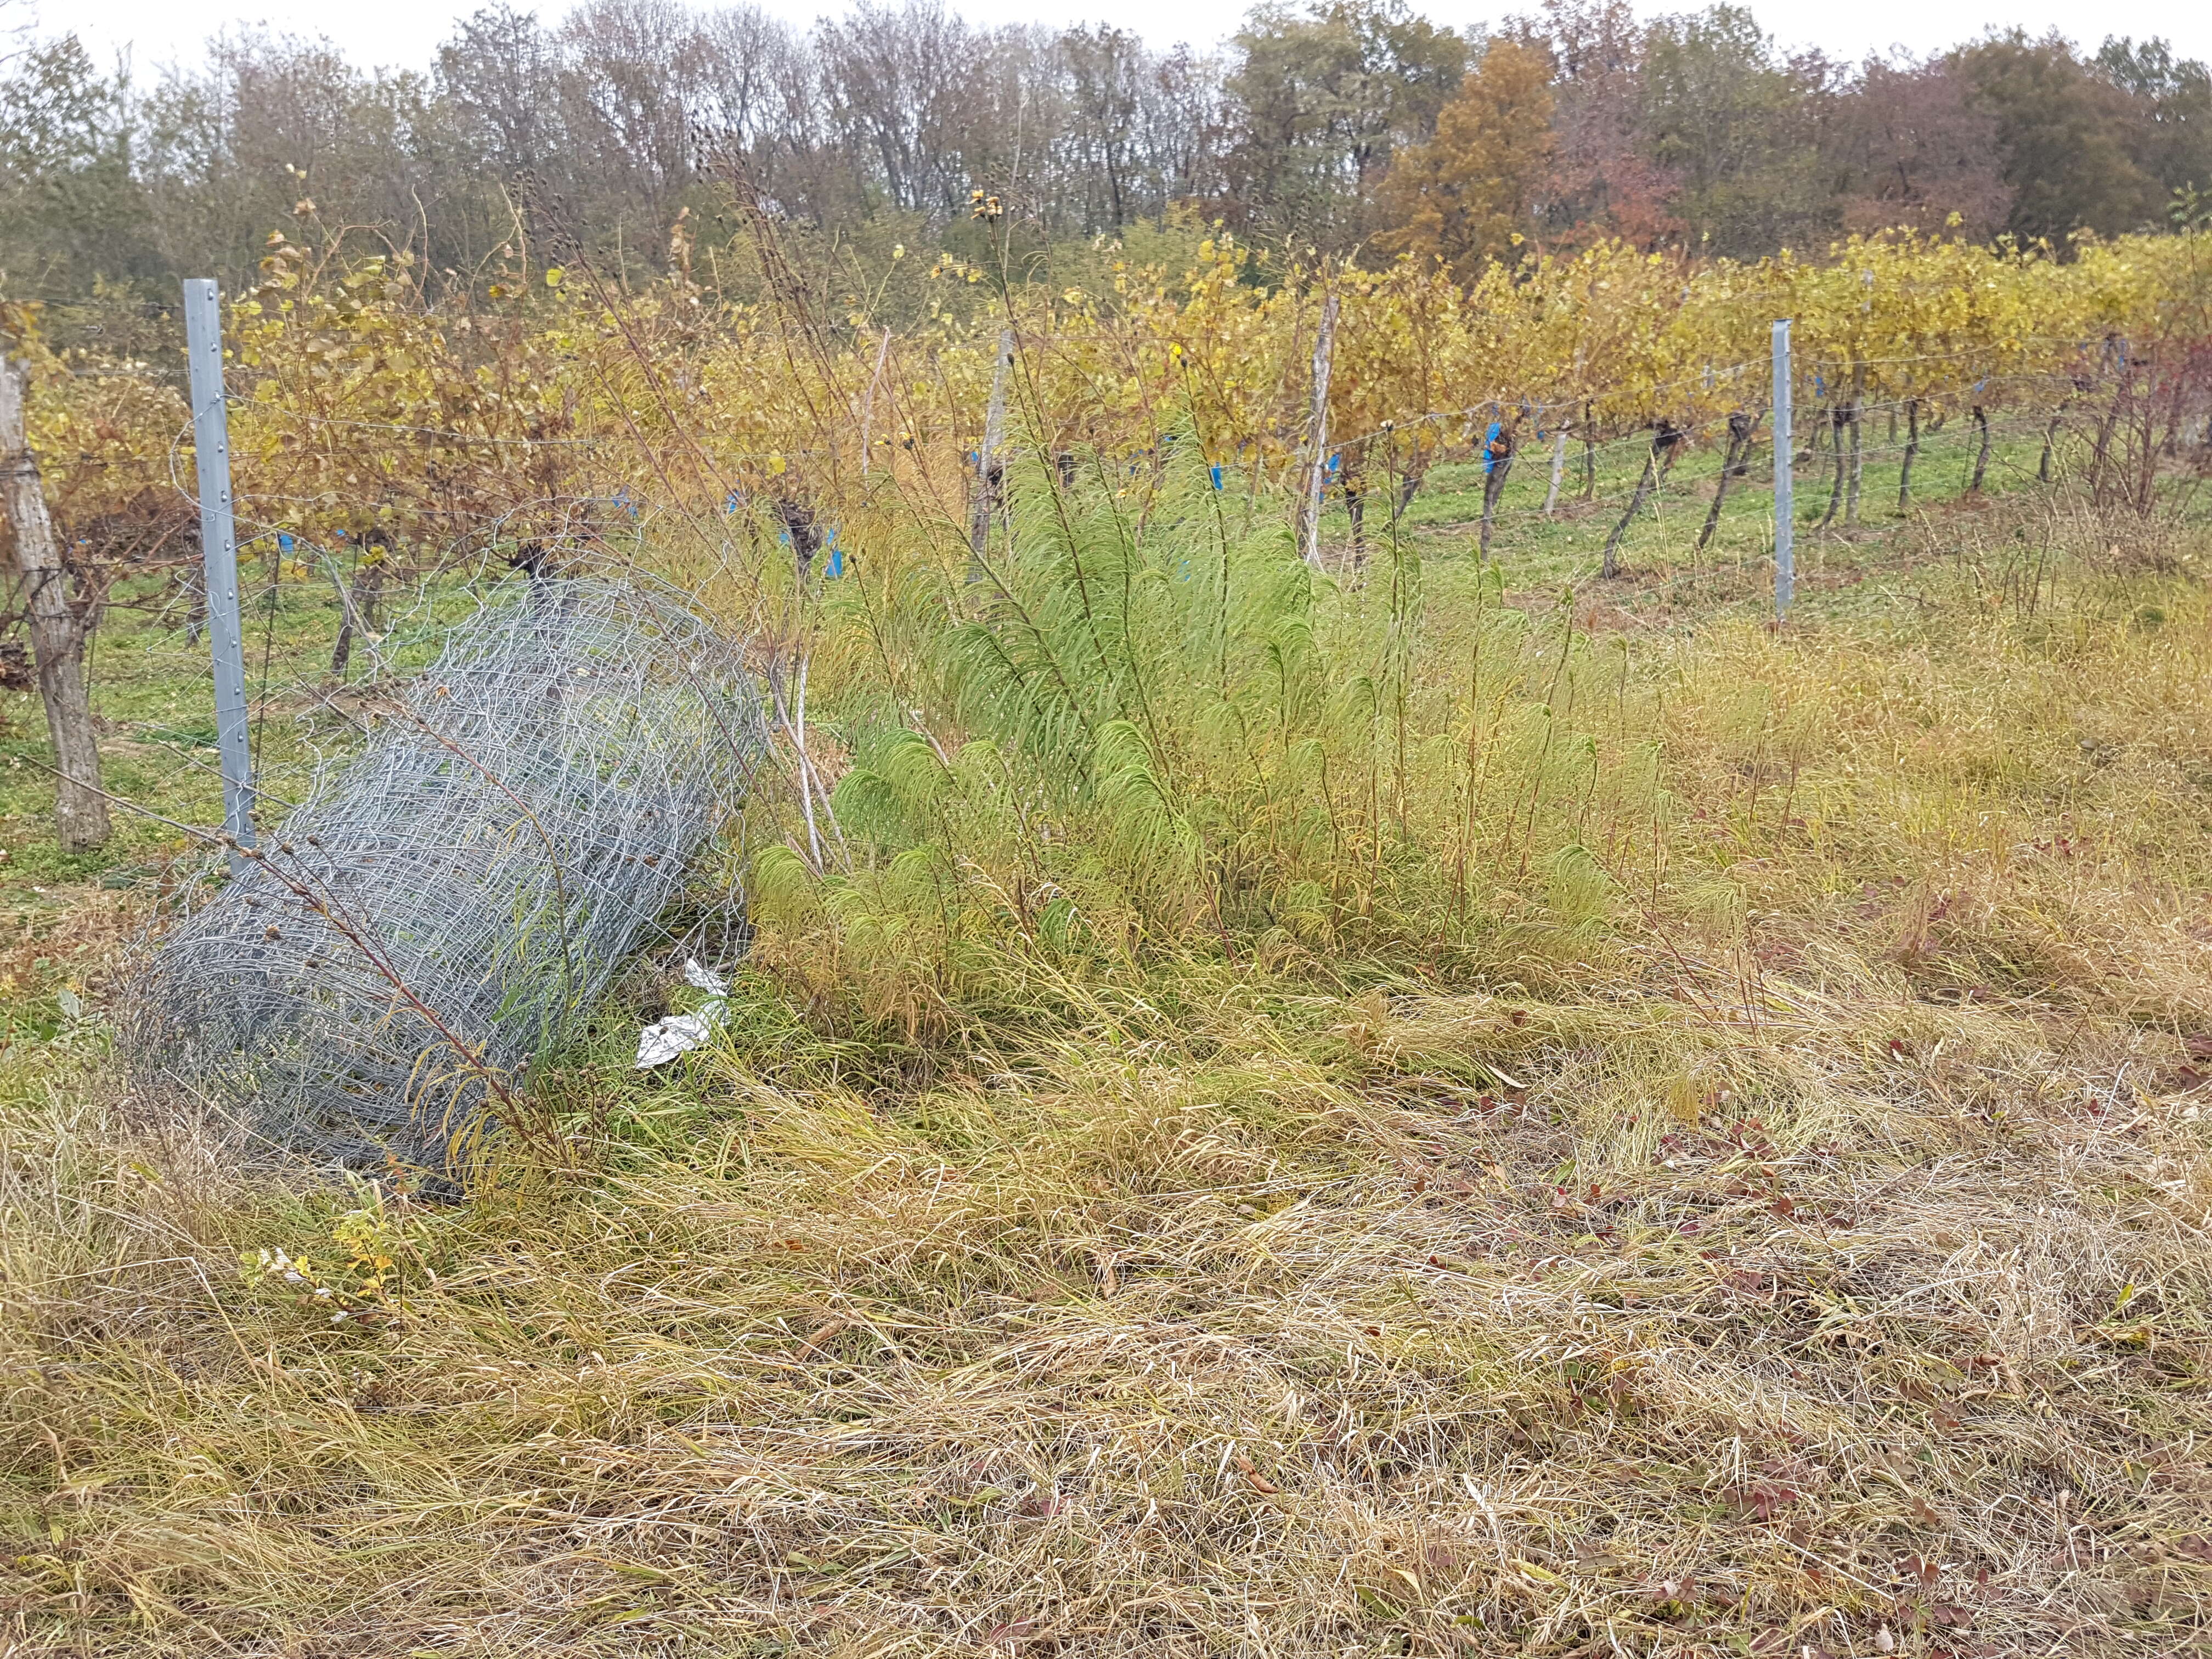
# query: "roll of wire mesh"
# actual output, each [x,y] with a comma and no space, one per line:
[454,900]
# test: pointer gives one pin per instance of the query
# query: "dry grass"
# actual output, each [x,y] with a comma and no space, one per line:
[1819,1262]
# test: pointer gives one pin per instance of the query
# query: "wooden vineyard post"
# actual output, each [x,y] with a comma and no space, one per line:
[1911,454]
[1857,475]
[1497,463]
[57,630]
[219,556]
[1733,465]
[1665,444]
[1785,506]
[868,402]
[1838,417]
[1317,475]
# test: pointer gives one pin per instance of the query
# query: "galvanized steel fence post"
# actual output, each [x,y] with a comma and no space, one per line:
[990,471]
[1785,566]
[1318,478]
[219,555]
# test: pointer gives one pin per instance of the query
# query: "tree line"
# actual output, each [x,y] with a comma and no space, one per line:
[1353,129]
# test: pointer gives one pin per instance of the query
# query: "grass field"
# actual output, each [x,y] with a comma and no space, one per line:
[1587,1124]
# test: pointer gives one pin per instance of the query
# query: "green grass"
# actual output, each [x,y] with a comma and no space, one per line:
[152,700]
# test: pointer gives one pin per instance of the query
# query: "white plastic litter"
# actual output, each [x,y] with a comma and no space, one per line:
[665,1039]
[678,1033]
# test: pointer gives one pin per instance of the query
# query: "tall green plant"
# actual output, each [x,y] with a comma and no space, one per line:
[1141,730]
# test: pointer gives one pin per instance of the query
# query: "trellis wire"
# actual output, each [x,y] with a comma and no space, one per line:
[458,897]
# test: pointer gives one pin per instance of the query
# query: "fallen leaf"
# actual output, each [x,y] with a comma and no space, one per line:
[1250,1470]
[1765,1499]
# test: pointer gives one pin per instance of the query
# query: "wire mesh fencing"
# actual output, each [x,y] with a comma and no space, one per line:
[370,983]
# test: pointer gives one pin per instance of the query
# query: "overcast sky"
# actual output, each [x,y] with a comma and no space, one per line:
[407,31]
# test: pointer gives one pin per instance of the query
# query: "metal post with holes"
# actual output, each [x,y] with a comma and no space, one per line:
[1317,479]
[990,472]
[1785,565]
[219,556]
